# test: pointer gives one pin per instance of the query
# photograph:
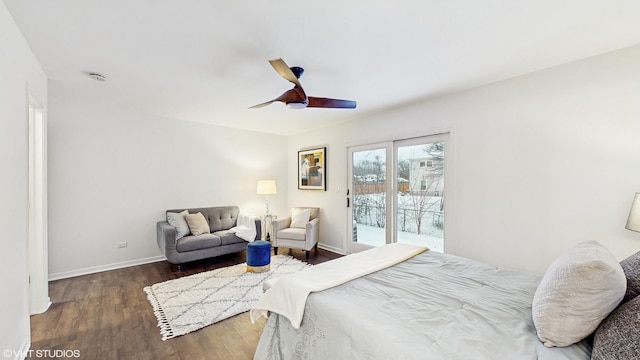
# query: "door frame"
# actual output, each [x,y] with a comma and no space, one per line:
[391,147]
[442,137]
[351,246]
[38,260]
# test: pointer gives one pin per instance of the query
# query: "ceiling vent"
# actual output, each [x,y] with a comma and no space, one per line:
[97,77]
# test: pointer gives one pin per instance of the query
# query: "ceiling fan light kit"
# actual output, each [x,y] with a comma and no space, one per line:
[296,98]
[295,105]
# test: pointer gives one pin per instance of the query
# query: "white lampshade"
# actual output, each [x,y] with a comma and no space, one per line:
[266,187]
[633,223]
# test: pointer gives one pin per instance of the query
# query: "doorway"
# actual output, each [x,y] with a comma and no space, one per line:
[39,300]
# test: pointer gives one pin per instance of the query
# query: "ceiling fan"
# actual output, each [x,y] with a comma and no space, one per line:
[296,98]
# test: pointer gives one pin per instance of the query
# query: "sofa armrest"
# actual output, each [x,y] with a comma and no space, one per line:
[312,232]
[280,224]
[166,234]
[312,225]
[277,225]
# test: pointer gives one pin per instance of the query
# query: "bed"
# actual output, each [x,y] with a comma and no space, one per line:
[431,306]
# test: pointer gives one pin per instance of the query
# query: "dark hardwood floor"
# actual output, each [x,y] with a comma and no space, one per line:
[107,316]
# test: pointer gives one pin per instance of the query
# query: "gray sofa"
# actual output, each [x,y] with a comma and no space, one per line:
[219,242]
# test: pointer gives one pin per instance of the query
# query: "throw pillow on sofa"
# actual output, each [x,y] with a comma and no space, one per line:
[178,221]
[197,224]
[300,218]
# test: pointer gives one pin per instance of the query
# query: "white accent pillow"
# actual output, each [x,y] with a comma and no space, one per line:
[178,221]
[300,218]
[578,290]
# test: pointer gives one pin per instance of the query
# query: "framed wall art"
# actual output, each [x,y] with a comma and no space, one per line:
[312,169]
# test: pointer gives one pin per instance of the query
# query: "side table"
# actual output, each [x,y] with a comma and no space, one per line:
[267,226]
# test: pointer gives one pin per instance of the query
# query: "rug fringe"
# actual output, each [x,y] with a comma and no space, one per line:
[163,323]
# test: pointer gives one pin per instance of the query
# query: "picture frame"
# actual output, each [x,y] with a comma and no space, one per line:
[312,169]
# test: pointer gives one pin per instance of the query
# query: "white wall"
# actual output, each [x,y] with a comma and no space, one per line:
[542,161]
[113,173]
[19,70]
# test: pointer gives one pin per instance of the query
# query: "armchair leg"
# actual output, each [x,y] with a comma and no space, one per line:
[180,267]
[275,250]
[307,255]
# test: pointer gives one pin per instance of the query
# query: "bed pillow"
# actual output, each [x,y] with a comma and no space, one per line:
[197,224]
[300,218]
[178,221]
[631,267]
[578,290]
[618,334]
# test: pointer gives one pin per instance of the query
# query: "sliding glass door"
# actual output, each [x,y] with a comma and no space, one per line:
[420,192]
[367,195]
[396,193]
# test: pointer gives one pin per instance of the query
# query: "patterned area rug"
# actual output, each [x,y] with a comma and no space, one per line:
[190,303]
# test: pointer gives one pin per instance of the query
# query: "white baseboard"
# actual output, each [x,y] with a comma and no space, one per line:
[43,308]
[332,249]
[101,268]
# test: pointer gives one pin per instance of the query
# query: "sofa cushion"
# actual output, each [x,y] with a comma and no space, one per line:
[191,242]
[227,237]
[220,218]
[177,220]
[292,234]
[197,224]
[223,218]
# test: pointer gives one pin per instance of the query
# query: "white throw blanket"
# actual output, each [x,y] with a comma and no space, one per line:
[246,227]
[288,295]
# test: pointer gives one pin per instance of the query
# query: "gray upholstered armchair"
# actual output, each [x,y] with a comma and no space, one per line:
[297,231]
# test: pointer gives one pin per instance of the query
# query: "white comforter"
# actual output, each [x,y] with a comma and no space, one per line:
[288,295]
[432,306]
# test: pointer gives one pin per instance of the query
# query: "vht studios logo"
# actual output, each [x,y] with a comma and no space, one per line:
[42,354]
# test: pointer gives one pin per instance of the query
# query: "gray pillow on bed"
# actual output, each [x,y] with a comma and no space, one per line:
[618,334]
[631,267]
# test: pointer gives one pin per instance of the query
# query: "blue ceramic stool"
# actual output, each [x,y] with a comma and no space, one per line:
[258,256]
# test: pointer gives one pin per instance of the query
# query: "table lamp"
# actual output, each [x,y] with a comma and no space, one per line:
[266,187]
[633,223]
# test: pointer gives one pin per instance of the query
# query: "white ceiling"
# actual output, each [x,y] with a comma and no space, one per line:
[207,60]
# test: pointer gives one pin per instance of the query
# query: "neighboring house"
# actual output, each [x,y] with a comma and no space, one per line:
[426,175]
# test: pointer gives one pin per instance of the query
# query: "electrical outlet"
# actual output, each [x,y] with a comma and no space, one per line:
[121,244]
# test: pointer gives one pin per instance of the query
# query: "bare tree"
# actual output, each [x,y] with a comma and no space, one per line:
[427,180]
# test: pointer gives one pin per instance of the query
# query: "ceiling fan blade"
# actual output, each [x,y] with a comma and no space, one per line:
[283,69]
[330,103]
[295,95]
[263,104]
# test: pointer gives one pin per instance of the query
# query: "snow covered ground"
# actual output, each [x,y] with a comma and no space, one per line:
[372,235]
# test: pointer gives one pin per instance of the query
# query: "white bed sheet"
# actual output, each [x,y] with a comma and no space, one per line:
[432,306]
